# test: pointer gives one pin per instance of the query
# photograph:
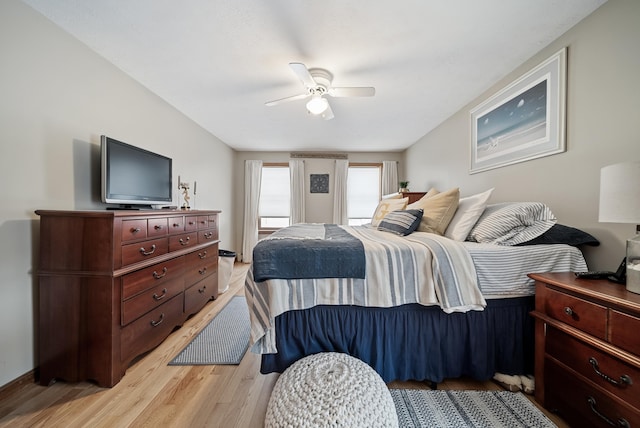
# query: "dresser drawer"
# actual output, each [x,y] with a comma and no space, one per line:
[134,253]
[207,235]
[176,225]
[586,316]
[191,223]
[200,264]
[150,299]
[582,404]
[134,229]
[185,240]
[624,331]
[199,294]
[151,329]
[157,227]
[144,279]
[617,377]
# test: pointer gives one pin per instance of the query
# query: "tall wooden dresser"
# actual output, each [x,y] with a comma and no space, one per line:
[587,364]
[115,284]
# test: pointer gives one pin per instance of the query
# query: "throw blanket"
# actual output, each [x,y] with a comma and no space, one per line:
[420,268]
[309,251]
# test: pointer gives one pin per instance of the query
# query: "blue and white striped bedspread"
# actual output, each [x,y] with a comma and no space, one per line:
[420,268]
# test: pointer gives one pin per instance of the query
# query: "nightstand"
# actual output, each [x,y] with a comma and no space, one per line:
[587,356]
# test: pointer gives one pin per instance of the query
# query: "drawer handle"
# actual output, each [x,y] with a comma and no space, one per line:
[148,253]
[203,271]
[160,297]
[157,323]
[185,242]
[135,229]
[622,422]
[203,255]
[191,223]
[624,379]
[176,224]
[568,311]
[157,275]
[201,290]
[157,227]
[208,235]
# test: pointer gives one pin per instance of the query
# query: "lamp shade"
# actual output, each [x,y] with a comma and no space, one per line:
[620,193]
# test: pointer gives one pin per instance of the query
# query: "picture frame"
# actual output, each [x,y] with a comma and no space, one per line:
[319,183]
[523,121]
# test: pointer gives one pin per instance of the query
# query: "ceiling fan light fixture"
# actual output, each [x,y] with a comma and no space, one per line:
[317,105]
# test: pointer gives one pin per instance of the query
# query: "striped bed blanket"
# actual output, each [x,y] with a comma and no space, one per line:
[419,268]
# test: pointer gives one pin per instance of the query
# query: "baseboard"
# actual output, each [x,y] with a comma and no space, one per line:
[13,386]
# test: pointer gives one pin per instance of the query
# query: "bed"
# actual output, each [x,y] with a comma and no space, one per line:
[420,307]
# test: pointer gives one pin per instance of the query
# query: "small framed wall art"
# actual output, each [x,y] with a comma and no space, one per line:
[319,183]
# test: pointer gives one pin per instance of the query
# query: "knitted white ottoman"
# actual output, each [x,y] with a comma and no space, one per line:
[330,389]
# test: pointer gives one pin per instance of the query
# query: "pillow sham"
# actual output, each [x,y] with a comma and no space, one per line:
[438,210]
[401,222]
[385,206]
[469,211]
[416,205]
[512,223]
[561,234]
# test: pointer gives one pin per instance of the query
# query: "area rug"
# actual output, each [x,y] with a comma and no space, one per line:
[439,408]
[223,341]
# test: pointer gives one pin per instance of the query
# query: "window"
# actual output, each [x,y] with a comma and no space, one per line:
[275,195]
[363,192]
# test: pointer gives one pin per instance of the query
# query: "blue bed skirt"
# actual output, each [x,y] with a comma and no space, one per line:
[413,342]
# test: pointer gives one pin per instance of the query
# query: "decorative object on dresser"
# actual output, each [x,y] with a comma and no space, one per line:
[587,366]
[404,187]
[114,284]
[620,203]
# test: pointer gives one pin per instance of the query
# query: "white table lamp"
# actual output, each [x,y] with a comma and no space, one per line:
[620,203]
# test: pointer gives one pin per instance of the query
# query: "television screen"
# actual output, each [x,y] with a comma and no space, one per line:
[134,176]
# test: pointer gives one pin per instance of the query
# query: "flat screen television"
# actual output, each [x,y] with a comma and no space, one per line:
[133,177]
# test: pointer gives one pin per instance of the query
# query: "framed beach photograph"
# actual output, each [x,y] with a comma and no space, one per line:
[524,121]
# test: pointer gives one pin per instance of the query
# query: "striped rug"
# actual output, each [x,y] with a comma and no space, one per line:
[223,341]
[439,408]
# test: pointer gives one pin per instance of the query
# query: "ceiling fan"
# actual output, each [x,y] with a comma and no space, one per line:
[317,84]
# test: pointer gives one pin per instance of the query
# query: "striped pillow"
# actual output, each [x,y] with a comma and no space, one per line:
[512,223]
[401,222]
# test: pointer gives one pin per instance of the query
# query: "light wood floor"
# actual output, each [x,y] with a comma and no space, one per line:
[153,394]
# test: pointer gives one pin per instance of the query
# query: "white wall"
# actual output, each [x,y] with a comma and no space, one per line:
[318,206]
[603,103]
[56,98]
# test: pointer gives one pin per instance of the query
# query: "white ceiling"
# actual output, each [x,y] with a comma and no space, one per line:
[219,61]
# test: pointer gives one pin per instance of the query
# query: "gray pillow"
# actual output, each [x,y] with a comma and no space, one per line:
[401,222]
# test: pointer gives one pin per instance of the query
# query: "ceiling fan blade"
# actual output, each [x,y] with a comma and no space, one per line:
[352,92]
[303,74]
[328,113]
[287,99]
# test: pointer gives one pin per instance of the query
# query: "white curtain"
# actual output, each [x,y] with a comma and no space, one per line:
[296,172]
[252,181]
[340,192]
[389,177]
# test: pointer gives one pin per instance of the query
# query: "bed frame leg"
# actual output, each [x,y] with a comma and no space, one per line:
[432,385]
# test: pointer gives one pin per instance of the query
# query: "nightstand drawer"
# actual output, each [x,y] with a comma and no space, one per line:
[615,376]
[624,331]
[582,404]
[586,316]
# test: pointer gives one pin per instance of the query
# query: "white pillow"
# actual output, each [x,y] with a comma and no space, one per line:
[469,211]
